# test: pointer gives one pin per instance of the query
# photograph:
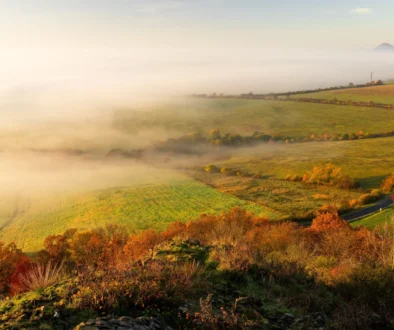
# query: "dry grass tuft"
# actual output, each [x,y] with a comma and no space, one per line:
[41,276]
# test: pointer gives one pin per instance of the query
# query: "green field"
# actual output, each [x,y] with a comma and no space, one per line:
[376,219]
[141,198]
[288,198]
[368,161]
[378,94]
[247,116]
[140,207]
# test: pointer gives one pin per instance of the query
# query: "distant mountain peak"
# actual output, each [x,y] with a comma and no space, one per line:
[385,46]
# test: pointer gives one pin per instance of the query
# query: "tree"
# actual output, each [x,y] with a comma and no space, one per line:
[214,134]
[218,142]
[56,248]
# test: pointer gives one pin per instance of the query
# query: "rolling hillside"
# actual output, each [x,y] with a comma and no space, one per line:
[377,94]
[137,207]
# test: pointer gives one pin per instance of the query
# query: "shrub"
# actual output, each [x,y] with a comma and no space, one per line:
[373,286]
[328,219]
[354,203]
[16,285]
[257,175]
[176,229]
[233,317]
[211,169]
[56,248]
[367,199]
[311,269]
[295,178]
[329,174]
[100,246]
[10,258]
[226,229]
[388,184]
[138,246]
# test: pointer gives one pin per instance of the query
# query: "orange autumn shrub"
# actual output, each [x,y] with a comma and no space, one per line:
[139,245]
[176,229]
[56,248]
[328,219]
[273,236]
[388,184]
[225,229]
[102,246]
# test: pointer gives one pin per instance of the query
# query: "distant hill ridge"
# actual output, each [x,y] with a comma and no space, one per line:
[385,47]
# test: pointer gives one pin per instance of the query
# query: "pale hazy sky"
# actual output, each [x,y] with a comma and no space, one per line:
[72,55]
[195,23]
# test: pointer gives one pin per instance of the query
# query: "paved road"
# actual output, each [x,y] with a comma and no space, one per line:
[369,210]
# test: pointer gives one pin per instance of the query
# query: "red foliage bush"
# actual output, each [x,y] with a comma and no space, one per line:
[102,246]
[16,285]
[10,258]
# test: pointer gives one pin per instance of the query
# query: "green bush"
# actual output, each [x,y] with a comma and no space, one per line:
[211,169]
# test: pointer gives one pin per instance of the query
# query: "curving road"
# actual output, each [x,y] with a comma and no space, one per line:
[369,210]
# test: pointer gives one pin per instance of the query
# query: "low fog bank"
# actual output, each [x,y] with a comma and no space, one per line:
[39,84]
[29,174]
[64,98]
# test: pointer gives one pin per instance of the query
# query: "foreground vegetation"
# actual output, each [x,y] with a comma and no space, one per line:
[234,271]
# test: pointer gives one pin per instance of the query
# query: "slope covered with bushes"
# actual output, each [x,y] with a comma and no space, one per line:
[233,270]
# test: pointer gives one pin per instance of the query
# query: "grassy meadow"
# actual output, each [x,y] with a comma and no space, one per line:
[137,207]
[287,198]
[247,116]
[376,219]
[368,161]
[377,94]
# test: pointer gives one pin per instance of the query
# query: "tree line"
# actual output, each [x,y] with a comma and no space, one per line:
[275,96]
[186,143]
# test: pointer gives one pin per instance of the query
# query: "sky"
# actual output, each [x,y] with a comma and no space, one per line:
[72,56]
[195,23]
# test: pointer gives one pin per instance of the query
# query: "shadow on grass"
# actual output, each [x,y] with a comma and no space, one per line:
[372,181]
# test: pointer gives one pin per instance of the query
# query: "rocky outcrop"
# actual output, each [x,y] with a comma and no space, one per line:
[125,323]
